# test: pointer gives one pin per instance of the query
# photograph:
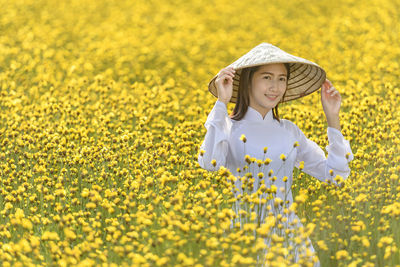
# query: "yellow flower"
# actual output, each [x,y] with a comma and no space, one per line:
[365,242]
[202,152]
[263,188]
[19,214]
[384,241]
[293,207]
[162,261]
[34,241]
[361,198]
[358,226]
[273,188]
[278,202]
[69,234]
[301,165]
[389,250]
[85,193]
[25,246]
[247,158]
[259,162]
[264,229]
[283,157]
[301,198]
[321,244]
[47,235]
[342,255]
[249,227]
[26,223]
[243,138]
[393,209]
[394,177]
[90,205]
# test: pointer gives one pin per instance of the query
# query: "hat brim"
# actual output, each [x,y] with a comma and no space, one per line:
[305,78]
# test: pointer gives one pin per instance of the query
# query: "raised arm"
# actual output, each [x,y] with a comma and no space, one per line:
[339,151]
[315,163]
[215,143]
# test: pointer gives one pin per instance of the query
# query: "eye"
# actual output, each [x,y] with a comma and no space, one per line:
[267,77]
[283,79]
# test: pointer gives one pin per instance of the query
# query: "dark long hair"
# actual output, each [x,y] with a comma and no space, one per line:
[243,99]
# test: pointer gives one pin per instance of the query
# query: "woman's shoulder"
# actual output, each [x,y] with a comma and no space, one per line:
[289,125]
[236,123]
[286,122]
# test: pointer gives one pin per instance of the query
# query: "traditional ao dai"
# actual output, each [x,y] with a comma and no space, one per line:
[222,143]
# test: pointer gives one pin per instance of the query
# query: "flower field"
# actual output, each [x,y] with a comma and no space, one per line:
[103,105]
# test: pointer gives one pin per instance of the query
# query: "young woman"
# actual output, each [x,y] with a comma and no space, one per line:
[257,82]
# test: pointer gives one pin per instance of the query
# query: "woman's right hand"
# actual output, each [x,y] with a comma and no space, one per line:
[224,83]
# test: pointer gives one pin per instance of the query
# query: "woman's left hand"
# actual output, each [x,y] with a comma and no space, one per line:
[330,99]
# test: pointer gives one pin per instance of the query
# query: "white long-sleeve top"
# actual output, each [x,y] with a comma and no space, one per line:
[222,143]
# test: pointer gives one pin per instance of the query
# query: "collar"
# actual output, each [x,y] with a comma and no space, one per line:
[254,115]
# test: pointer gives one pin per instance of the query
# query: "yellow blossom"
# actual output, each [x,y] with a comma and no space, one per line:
[321,244]
[342,254]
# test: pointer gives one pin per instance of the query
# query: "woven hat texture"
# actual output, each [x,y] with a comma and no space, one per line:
[305,76]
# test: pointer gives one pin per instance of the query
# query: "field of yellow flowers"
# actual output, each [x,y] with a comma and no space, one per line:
[103,105]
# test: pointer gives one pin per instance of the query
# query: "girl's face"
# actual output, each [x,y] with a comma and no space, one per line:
[268,85]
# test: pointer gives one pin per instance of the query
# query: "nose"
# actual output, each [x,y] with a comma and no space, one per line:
[273,86]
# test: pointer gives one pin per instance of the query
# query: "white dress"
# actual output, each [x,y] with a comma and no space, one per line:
[222,143]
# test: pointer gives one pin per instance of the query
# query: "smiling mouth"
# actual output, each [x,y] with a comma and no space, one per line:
[271,97]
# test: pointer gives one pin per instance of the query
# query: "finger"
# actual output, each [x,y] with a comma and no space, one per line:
[336,93]
[229,69]
[223,77]
[331,89]
[230,74]
[227,72]
[325,85]
[223,80]
[232,69]
[228,79]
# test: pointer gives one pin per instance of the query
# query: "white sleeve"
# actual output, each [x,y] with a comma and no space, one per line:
[315,162]
[215,143]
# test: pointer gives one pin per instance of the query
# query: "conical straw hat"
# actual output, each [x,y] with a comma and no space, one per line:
[305,76]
